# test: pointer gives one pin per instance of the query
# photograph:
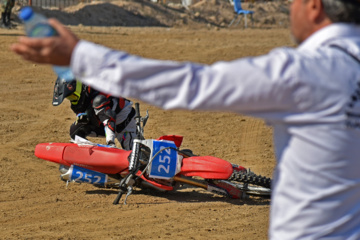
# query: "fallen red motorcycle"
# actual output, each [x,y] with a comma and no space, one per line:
[152,163]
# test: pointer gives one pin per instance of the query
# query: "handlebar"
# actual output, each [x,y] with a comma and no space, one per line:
[137,110]
[134,160]
[126,184]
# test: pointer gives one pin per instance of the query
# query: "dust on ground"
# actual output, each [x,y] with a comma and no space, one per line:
[35,204]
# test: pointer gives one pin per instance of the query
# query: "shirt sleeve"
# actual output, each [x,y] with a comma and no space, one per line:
[255,85]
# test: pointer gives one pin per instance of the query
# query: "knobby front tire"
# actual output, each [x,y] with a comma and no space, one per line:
[250,178]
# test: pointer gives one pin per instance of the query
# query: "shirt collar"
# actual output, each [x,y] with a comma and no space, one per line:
[328,34]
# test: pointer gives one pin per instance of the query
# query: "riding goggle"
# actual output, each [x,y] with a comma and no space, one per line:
[75,96]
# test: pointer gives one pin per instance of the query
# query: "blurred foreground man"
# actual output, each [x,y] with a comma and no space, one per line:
[310,95]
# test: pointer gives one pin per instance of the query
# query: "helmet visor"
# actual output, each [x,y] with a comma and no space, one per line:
[63,89]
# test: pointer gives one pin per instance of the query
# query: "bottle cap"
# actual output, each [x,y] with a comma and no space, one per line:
[25,13]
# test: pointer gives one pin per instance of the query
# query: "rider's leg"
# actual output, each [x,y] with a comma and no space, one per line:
[86,130]
[127,136]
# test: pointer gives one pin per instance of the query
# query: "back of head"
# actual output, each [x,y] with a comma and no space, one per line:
[346,11]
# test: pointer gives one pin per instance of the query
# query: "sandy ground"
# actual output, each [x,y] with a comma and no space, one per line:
[35,204]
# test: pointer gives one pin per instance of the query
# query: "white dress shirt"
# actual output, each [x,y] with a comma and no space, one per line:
[311,97]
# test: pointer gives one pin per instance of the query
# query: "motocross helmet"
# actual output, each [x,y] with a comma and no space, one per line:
[70,89]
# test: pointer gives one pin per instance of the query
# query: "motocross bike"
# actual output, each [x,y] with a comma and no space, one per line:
[155,163]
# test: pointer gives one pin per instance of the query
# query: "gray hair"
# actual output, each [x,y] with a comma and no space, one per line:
[347,11]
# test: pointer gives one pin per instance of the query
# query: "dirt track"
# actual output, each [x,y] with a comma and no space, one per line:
[35,204]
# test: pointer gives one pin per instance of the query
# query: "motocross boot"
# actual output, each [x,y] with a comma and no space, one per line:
[3,18]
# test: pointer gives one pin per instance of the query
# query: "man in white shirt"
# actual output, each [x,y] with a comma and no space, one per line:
[310,95]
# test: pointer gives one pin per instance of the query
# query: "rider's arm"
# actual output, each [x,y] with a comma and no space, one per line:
[103,109]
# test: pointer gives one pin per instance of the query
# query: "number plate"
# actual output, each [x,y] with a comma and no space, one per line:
[80,174]
[164,164]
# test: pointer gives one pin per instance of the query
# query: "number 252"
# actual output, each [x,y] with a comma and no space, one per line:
[166,160]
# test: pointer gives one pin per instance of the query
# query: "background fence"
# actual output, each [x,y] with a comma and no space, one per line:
[59,4]
[52,3]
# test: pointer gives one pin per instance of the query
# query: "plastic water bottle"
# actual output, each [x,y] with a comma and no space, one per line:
[37,26]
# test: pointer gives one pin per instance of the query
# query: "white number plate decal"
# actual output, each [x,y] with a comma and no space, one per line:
[80,174]
[164,164]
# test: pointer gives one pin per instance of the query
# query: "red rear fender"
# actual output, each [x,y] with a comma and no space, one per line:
[206,167]
[52,152]
[101,159]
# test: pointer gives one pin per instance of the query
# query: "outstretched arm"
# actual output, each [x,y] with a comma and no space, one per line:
[249,85]
[50,50]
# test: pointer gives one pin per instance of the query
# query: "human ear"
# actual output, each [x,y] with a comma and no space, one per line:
[316,12]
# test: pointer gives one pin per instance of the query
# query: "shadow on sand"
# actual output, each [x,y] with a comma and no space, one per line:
[186,195]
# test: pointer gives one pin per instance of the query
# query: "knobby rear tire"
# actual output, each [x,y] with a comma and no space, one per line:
[250,178]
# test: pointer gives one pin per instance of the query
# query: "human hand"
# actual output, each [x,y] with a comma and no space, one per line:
[111,144]
[55,50]
[81,118]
